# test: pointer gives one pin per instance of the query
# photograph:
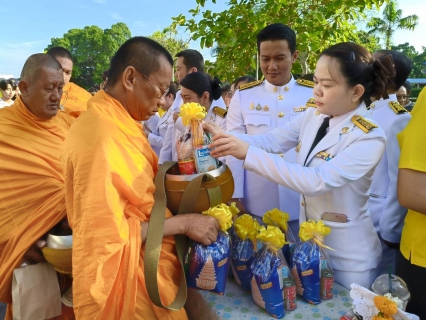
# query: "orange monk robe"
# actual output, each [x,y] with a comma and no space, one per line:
[32,199]
[76,99]
[109,169]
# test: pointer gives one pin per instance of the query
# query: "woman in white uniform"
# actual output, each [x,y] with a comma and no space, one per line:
[337,151]
[156,126]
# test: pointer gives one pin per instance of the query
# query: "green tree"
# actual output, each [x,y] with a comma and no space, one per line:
[318,23]
[92,48]
[169,39]
[391,21]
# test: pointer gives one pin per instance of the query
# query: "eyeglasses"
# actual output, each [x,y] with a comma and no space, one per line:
[164,92]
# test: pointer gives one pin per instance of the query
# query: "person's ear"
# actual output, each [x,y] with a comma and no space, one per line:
[357,92]
[128,78]
[193,69]
[294,56]
[23,87]
[205,97]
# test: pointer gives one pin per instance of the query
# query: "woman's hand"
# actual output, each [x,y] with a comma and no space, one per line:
[225,144]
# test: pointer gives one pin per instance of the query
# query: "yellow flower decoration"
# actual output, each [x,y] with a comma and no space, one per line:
[234,210]
[246,227]
[273,236]
[276,217]
[386,307]
[312,229]
[190,111]
[222,214]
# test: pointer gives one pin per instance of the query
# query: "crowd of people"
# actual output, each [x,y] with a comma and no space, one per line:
[339,146]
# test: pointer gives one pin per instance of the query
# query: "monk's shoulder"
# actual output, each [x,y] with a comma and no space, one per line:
[64,118]
[72,88]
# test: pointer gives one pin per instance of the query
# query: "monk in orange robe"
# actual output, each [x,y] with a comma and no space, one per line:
[74,99]
[109,170]
[32,199]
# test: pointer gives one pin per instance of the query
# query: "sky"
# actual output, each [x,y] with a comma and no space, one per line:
[29,25]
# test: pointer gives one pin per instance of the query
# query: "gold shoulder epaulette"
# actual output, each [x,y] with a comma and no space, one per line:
[311,103]
[363,123]
[305,83]
[300,109]
[250,85]
[397,108]
[220,112]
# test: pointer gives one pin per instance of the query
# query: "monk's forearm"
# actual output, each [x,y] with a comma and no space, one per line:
[172,226]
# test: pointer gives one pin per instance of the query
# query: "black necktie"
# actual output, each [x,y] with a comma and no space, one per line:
[322,131]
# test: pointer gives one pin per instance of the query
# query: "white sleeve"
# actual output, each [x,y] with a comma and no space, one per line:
[166,149]
[155,140]
[393,216]
[235,123]
[348,165]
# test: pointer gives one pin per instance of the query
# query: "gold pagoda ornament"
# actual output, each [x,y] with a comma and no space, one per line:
[207,278]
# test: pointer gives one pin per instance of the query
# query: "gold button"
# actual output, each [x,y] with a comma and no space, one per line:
[317,113]
[281,155]
[252,106]
[286,88]
[281,114]
[372,106]
[275,89]
[302,203]
[280,97]
[345,129]
[266,108]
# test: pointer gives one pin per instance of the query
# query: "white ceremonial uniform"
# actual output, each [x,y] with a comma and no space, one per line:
[386,212]
[257,110]
[176,129]
[158,127]
[336,182]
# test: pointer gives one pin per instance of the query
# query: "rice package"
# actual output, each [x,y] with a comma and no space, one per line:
[208,265]
[244,249]
[311,266]
[270,272]
[192,147]
[278,218]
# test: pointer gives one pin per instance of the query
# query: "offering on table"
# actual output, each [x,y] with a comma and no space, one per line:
[311,266]
[270,274]
[278,218]
[244,249]
[192,147]
[208,265]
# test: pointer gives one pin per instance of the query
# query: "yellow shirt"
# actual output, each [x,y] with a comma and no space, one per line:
[412,141]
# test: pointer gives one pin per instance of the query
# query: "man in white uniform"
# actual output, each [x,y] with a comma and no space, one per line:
[386,212]
[188,61]
[262,106]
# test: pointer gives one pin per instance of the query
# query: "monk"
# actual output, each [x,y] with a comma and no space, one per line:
[32,199]
[110,168]
[74,100]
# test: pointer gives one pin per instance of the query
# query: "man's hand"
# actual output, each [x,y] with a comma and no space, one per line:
[33,254]
[239,205]
[213,128]
[201,228]
[225,144]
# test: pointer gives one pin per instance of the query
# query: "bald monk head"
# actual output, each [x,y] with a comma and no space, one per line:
[64,57]
[139,76]
[41,85]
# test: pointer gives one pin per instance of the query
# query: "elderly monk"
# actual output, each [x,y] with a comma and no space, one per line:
[110,168]
[74,100]
[32,199]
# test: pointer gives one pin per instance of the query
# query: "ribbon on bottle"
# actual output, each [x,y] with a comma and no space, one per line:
[222,214]
[276,217]
[316,231]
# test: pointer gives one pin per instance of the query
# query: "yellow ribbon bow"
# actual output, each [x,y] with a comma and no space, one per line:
[276,217]
[234,210]
[272,236]
[192,111]
[314,230]
[246,227]
[222,214]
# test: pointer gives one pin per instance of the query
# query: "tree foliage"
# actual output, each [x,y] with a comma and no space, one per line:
[391,21]
[92,49]
[318,24]
[169,39]
[418,58]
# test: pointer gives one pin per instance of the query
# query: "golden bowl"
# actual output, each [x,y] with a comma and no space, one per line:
[60,259]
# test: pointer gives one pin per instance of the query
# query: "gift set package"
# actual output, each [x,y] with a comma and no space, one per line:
[192,147]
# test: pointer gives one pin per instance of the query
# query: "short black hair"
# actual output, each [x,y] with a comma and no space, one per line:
[192,59]
[33,65]
[173,89]
[139,52]
[277,31]
[225,89]
[408,86]
[403,66]
[4,83]
[60,52]
[202,82]
[241,79]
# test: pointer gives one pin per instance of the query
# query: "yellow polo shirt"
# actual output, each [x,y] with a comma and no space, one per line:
[412,141]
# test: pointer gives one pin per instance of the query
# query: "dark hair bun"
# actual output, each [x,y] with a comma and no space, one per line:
[384,71]
[216,89]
